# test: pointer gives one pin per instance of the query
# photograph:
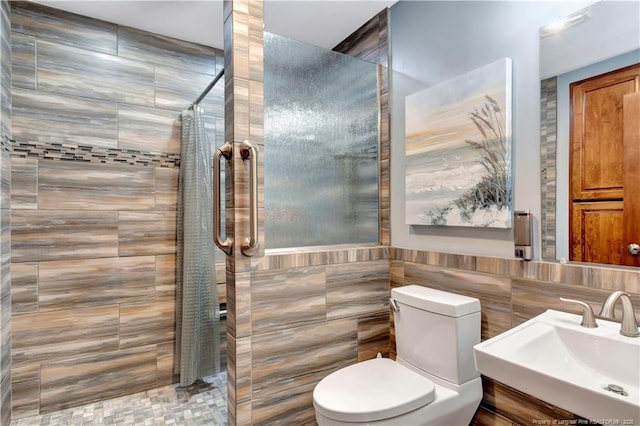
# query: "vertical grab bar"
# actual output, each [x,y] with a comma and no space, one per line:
[248,152]
[224,151]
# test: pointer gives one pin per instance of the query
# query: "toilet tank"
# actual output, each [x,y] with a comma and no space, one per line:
[436,331]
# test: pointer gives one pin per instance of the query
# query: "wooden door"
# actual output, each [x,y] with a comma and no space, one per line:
[605,158]
[631,174]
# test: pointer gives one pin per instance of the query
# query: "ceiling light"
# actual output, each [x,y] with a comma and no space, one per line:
[566,22]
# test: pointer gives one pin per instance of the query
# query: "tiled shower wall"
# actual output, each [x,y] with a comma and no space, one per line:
[95,162]
[5,212]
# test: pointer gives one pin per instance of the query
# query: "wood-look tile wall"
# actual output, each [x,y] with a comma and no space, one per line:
[96,149]
[5,212]
[313,313]
[512,291]
[316,311]
[244,121]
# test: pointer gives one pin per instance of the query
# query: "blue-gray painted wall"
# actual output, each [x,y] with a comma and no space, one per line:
[433,41]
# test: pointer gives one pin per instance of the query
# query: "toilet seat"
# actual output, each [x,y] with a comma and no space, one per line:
[372,390]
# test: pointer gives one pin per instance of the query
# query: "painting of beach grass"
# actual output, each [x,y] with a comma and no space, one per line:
[458,150]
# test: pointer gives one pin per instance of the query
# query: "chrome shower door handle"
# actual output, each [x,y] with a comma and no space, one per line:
[224,151]
[249,152]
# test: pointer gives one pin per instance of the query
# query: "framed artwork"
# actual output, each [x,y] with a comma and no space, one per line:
[458,150]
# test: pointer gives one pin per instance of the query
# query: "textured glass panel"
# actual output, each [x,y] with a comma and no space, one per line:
[321,146]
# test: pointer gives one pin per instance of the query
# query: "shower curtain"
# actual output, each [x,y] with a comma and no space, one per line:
[197,311]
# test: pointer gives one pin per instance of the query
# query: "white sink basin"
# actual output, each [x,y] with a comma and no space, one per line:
[556,360]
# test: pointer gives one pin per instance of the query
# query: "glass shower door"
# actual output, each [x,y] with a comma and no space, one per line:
[321,139]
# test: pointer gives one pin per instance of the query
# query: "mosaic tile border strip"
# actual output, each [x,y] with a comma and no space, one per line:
[91,154]
[548,148]
[5,144]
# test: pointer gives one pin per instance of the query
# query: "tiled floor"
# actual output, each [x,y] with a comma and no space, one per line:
[199,404]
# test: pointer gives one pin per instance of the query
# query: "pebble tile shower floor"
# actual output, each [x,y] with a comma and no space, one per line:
[198,405]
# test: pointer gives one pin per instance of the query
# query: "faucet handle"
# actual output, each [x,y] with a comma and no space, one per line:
[588,319]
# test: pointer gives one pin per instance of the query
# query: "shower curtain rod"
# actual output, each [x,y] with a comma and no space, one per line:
[206,91]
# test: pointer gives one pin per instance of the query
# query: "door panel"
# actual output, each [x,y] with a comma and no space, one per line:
[597,134]
[602,137]
[598,232]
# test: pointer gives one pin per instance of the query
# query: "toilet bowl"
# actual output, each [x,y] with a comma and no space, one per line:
[388,401]
[433,380]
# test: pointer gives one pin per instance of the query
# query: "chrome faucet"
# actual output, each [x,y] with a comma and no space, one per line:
[607,310]
[629,325]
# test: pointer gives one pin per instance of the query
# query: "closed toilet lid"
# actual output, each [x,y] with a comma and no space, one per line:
[372,390]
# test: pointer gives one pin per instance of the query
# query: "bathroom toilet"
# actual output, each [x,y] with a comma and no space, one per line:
[433,380]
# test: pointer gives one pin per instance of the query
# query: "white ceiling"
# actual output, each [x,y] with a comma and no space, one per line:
[319,22]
